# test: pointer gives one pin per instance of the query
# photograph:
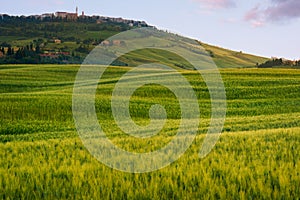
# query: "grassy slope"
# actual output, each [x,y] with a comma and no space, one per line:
[225,58]
[44,158]
[81,31]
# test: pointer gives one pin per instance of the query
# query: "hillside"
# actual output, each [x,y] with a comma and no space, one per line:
[225,58]
[53,40]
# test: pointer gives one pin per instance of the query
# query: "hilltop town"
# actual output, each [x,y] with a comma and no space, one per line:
[60,37]
[69,16]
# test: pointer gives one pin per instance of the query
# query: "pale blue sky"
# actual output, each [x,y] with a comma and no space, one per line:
[262,27]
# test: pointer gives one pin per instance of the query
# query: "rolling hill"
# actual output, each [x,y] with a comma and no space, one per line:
[33,40]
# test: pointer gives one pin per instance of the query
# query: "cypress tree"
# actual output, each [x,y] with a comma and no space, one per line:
[9,51]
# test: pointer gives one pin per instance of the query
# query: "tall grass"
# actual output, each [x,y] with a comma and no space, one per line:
[252,165]
[257,157]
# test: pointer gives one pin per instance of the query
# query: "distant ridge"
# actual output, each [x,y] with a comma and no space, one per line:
[74,17]
[59,39]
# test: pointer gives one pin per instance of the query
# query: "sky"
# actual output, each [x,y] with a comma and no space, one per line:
[263,27]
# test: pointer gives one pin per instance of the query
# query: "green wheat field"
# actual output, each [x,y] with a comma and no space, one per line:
[42,157]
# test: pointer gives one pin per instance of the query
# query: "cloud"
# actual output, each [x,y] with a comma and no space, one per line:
[215,4]
[277,11]
[254,16]
[283,9]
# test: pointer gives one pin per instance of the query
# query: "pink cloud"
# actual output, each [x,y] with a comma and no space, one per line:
[254,13]
[283,10]
[217,3]
[256,24]
[254,16]
[278,11]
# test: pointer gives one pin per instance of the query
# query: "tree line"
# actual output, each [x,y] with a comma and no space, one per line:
[279,62]
[31,54]
[31,26]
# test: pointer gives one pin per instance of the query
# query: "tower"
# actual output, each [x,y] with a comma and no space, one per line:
[77,10]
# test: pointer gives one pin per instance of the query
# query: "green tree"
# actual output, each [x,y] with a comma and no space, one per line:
[9,51]
[37,49]
[2,50]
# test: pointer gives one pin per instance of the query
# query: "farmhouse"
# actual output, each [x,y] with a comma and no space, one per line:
[57,41]
[116,42]
[105,43]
